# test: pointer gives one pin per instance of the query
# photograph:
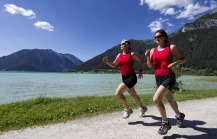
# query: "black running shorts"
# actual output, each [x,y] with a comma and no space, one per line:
[168,80]
[129,80]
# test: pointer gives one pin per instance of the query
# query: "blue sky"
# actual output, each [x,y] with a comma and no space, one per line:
[87,28]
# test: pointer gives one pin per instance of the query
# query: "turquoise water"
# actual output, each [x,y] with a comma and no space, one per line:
[19,86]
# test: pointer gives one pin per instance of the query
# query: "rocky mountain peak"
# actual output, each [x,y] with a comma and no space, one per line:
[206,21]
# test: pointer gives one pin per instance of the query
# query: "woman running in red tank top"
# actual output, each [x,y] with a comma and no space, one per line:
[162,59]
[126,62]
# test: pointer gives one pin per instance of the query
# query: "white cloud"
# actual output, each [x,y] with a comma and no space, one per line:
[13,9]
[156,25]
[190,11]
[194,9]
[169,24]
[44,25]
[162,4]
[170,11]
[180,8]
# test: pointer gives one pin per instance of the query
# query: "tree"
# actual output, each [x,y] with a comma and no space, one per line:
[178,85]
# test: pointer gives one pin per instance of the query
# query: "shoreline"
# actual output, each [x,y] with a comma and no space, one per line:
[199,123]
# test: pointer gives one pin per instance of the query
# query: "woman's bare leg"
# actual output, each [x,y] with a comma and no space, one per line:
[133,93]
[119,94]
[157,99]
[172,102]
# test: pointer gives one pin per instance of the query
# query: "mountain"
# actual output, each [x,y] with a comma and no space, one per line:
[95,64]
[206,21]
[38,60]
[197,42]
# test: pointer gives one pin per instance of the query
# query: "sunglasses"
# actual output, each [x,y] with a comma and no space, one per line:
[123,43]
[158,36]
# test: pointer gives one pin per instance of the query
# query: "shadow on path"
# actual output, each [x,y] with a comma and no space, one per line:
[207,133]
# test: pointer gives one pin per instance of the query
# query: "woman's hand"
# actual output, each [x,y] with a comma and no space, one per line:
[171,66]
[105,59]
[147,53]
[140,75]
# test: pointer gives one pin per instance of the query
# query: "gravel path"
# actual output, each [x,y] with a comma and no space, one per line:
[200,123]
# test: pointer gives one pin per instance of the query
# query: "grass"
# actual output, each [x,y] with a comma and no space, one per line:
[42,110]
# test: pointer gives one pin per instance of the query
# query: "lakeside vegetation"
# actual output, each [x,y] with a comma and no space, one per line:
[209,78]
[42,110]
[184,71]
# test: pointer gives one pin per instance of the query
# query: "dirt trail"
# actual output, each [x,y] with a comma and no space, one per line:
[200,123]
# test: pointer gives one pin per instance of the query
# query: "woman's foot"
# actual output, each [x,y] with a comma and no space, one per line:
[127,113]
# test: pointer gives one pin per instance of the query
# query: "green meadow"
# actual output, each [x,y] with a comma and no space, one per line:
[43,110]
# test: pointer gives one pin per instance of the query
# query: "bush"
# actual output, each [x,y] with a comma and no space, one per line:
[178,85]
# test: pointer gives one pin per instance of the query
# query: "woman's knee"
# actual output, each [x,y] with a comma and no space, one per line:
[156,100]
[117,93]
[121,89]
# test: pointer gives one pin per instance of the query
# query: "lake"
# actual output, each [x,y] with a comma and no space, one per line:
[19,86]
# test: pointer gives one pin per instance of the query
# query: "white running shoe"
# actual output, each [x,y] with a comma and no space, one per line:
[142,111]
[127,113]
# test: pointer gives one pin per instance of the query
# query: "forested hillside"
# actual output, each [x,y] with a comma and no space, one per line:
[197,40]
[199,47]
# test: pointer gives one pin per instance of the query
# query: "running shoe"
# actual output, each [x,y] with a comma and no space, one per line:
[127,113]
[164,128]
[180,119]
[142,111]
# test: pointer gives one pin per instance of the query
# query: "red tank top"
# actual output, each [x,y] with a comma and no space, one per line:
[161,60]
[126,64]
